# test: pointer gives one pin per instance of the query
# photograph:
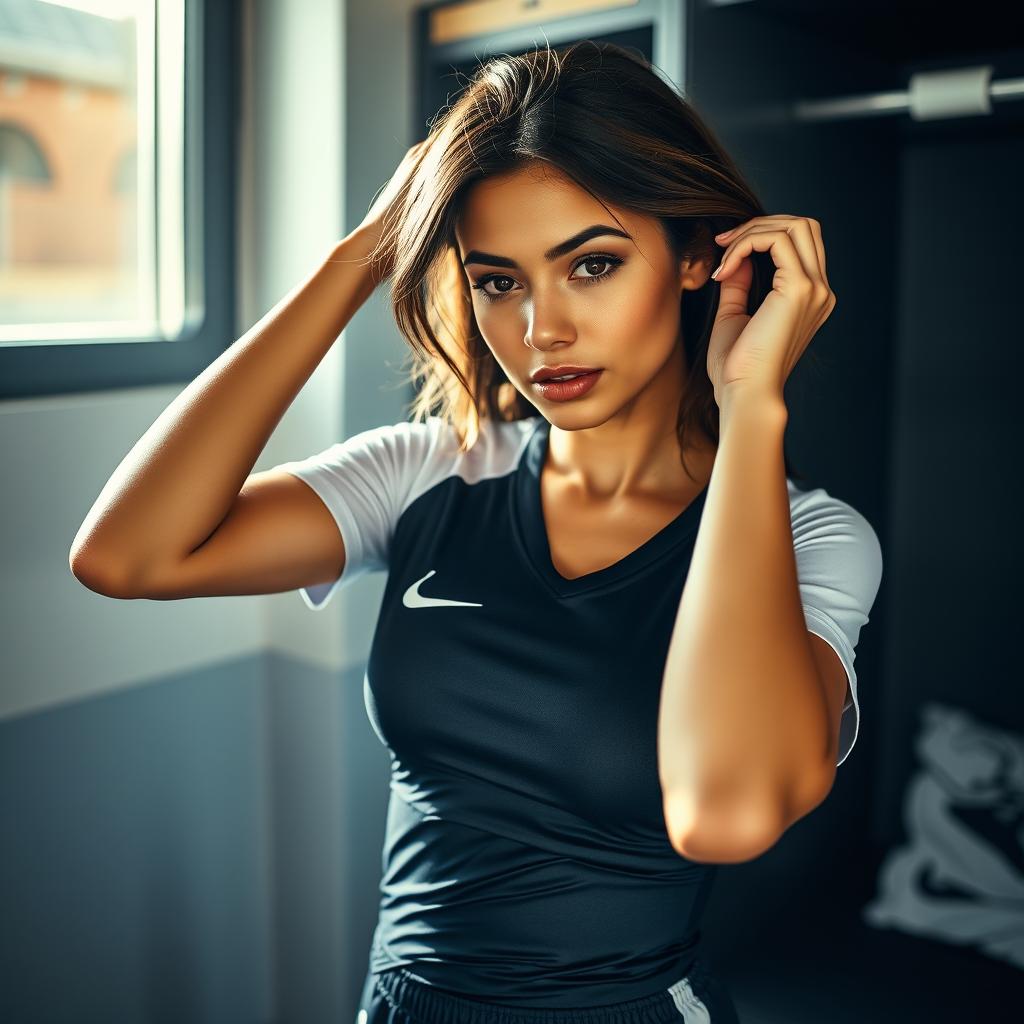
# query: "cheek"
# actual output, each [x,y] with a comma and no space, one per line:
[635,307]
[504,331]
[504,348]
[658,319]
[648,320]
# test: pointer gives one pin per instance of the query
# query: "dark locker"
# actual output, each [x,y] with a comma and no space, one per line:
[900,127]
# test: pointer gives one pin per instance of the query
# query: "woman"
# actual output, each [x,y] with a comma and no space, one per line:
[576,741]
[604,503]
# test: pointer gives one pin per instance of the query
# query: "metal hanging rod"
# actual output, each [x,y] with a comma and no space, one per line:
[961,92]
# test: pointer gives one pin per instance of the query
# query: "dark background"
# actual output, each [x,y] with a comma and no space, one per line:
[908,413]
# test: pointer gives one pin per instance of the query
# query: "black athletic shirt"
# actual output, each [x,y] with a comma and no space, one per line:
[526,860]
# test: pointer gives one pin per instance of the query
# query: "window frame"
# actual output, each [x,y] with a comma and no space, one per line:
[211,107]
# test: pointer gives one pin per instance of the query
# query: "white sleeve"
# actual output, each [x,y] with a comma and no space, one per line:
[839,569]
[366,482]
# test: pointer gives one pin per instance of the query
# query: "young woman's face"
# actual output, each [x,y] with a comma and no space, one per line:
[609,303]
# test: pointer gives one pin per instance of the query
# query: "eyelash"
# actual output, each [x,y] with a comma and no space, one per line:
[614,261]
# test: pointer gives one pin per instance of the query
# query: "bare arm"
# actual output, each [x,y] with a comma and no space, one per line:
[183,476]
[744,746]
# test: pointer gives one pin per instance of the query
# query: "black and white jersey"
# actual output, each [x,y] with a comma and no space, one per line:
[526,859]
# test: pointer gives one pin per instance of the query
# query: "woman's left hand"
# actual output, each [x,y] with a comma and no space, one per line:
[757,353]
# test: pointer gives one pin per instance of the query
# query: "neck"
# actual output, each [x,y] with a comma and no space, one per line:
[635,453]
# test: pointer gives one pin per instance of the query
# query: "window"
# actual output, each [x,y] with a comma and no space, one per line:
[117,182]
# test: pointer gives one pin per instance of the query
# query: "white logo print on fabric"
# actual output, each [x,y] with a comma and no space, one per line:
[412,598]
[692,1009]
[959,876]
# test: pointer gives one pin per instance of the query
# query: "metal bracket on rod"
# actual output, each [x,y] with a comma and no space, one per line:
[961,92]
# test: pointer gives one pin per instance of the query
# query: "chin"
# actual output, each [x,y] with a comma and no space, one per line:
[578,417]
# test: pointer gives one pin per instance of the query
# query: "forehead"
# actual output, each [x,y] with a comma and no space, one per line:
[533,208]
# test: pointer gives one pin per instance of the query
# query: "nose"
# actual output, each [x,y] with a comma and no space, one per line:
[547,327]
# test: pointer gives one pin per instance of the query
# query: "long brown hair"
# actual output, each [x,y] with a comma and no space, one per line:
[601,115]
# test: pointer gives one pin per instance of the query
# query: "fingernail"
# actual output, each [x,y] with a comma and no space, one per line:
[722,234]
[714,273]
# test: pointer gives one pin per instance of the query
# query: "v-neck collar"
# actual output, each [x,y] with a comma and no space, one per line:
[529,511]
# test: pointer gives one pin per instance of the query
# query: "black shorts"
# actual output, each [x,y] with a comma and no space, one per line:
[395,997]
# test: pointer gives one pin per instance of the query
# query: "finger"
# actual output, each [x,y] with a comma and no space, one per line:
[807,227]
[763,221]
[807,244]
[816,233]
[801,244]
[779,242]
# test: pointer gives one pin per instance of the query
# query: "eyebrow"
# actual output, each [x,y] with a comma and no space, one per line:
[563,248]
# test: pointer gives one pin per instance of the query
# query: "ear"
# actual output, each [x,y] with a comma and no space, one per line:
[694,273]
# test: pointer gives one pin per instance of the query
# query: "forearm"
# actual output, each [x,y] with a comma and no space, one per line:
[178,482]
[742,715]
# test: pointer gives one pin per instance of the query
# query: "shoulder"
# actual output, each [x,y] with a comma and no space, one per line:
[406,459]
[495,450]
[419,451]
[834,542]
[815,513]
[437,433]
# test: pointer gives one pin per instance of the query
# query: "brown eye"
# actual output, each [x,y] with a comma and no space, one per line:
[612,263]
[592,260]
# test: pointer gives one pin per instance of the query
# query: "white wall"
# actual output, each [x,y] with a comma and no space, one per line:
[254,784]
[324,124]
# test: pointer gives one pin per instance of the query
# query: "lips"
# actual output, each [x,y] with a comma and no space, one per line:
[547,372]
[568,390]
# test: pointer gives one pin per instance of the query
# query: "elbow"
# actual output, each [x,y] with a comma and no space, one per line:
[719,832]
[99,579]
[712,833]
[708,849]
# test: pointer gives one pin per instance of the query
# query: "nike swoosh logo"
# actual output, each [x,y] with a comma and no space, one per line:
[412,598]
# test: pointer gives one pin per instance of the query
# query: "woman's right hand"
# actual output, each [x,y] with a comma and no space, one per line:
[381,212]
